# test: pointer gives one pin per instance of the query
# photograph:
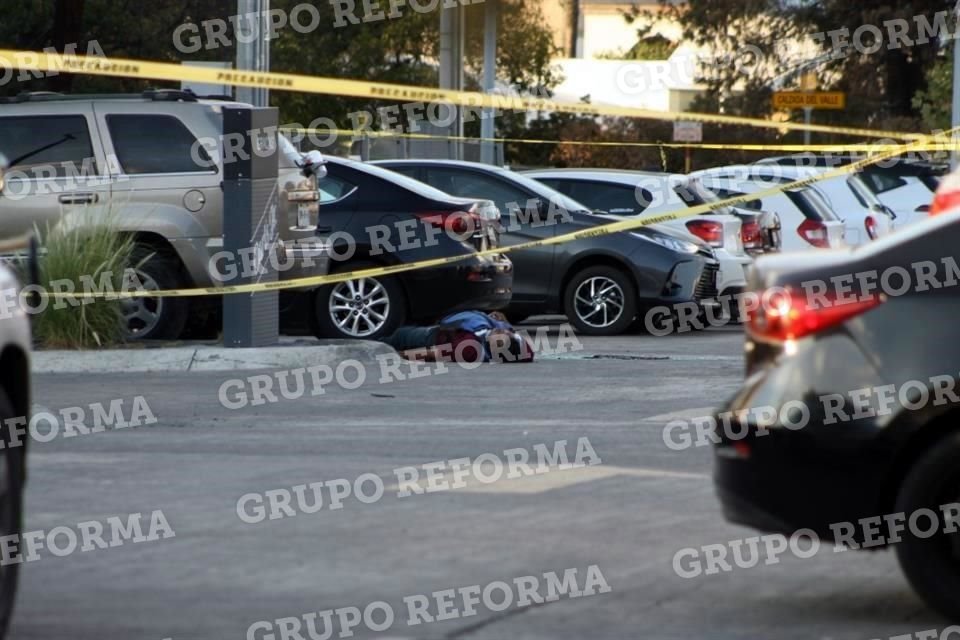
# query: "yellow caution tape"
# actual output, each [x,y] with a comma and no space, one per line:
[851,148]
[613,227]
[127,68]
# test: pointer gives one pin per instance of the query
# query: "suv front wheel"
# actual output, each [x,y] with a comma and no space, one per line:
[365,308]
[154,318]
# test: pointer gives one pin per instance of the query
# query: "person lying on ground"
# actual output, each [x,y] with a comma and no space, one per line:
[468,336]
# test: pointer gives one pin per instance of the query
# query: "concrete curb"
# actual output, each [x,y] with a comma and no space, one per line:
[207,358]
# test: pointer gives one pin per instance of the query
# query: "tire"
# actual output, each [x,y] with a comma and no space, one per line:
[11,512]
[932,565]
[370,322]
[612,295]
[155,318]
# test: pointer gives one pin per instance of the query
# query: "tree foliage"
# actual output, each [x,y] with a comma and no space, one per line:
[400,50]
[882,81]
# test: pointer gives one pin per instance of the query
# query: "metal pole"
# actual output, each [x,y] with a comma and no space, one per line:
[264,49]
[955,117]
[253,55]
[487,150]
[451,65]
[807,118]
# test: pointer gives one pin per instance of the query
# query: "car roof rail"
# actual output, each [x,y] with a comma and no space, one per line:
[27,96]
[170,95]
[156,95]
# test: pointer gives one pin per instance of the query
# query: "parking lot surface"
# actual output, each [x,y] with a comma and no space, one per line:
[627,515]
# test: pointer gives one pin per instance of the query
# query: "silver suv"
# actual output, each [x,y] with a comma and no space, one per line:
[142,160]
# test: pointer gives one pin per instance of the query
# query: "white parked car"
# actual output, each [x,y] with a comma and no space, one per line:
[808,221]
[907,193]
[863,215]
[904,185]
[628,194]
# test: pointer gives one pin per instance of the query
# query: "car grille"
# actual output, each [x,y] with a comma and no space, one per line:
[706,288]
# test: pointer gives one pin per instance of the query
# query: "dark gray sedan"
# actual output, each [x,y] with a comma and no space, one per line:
[602,283]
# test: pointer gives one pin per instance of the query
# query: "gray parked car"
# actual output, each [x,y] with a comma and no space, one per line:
[605,283]
[140,159]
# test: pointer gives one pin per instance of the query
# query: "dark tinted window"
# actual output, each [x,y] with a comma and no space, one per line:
[563,186]
[470,184]
[615,199]
[931,181]
[724,194]
[811,205]
[49,145]
[410,172]
[881,182]
[156,144]
[603,196]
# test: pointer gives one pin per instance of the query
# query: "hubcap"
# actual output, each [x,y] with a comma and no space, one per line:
[359,308]
[140,315]
[598,302]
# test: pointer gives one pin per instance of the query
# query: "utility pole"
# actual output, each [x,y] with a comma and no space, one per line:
[451,65]
[253,54]
[488,146]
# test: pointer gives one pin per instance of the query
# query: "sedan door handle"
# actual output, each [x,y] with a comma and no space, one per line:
[79,198]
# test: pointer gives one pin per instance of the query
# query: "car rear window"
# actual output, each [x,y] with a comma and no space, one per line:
[48,145]
[812,205]
[881,182]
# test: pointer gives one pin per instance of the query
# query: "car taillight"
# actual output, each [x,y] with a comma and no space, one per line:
[789,314]
[707,230]
[459,223]
[815,233]
[870,224]
[944,201]
[752,235]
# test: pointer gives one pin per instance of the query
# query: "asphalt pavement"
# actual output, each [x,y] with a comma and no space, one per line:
[626,513]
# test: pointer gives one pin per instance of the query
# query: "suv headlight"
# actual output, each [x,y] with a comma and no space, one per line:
[674,244]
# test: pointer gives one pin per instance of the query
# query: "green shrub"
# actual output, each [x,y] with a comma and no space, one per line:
[87,250]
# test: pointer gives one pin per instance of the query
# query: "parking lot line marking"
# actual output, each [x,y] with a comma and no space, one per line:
[684,414]
[559,479]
